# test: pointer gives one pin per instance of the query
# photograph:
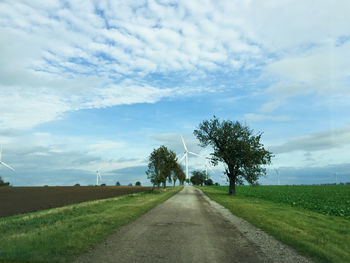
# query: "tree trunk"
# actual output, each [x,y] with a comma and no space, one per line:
[232,188]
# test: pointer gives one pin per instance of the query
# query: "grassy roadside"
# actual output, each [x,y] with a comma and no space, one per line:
[323,238]
[61,234]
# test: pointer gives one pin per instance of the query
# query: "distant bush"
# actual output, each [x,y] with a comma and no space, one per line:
[208,182]
[130,184]
[103,184]
[77,185]
[117,183]
[198,177]
[217,184]
[138,183]
[3,183]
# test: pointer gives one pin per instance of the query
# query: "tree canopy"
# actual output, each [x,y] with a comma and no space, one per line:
[198,177]
[162,163]
[209,182]
[3,183]
[178,174]
[237,147]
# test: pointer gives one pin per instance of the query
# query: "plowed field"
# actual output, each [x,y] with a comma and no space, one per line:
[19,200]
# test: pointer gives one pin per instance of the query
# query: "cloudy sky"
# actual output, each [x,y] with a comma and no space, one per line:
[100,84]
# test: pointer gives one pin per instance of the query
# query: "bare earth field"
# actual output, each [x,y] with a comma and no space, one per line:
[19,200]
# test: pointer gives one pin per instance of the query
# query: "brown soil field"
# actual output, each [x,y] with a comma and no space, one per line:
[20,200]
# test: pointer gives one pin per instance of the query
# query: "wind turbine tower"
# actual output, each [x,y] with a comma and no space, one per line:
[278,176]
[98,177]
[336,177]
[207,166]
[185,156]
[2,163]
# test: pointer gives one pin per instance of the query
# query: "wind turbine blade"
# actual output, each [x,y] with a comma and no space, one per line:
[4,164]
[182,158]
[195,154]
[183,141]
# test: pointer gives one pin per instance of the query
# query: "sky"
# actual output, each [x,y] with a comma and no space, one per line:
[87,85]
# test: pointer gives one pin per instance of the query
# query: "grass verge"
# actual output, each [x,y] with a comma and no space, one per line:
[61,234]
[321,237]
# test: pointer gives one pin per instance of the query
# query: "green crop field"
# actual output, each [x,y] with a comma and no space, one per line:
[312,219]
[325,199]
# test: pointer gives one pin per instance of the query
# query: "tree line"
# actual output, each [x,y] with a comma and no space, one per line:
[163,167]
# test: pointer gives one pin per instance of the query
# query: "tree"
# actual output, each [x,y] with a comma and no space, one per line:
[3,183]
[130,184]
[161,164]
[117,183]
[178,174]
[237,147]
[198,177]
[208,182]
[138,183]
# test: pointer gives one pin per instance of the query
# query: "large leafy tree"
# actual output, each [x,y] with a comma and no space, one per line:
[237,147]
[161,164]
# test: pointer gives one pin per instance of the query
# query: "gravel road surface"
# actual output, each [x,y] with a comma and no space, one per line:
[189,227]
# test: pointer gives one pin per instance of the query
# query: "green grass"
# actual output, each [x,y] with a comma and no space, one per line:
[61,234]
[324,238]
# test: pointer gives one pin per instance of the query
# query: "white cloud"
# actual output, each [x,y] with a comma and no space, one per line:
[21,109]
[323,140]
[78,55]
[43,152]
[106,145]
[281,25]
[261,117]
[323,71]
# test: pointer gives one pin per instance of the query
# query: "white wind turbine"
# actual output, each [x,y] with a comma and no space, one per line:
[185,156]
[207,166]
[206,163]
[278,176]
[336,177]
[2,163]
[98,177]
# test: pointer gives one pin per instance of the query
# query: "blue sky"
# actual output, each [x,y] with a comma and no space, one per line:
[89,85]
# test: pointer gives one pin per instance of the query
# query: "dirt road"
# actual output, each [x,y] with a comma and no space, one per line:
[190,228]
